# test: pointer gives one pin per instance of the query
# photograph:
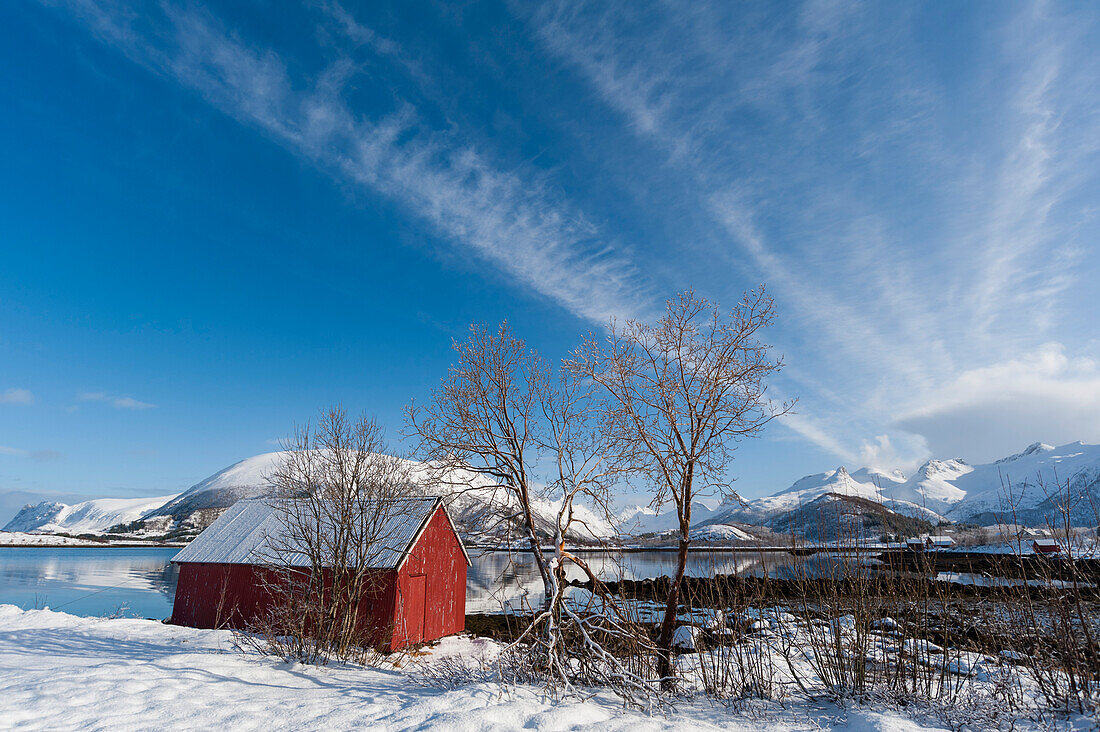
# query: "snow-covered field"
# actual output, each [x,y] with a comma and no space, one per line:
[58,671]
[19,538]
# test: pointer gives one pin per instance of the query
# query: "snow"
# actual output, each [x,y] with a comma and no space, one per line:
[58,671]
[720,532]
[87,517]
[241,480]
[948,489]
[1017,480]
[20,538]
[932,487]
[249,479]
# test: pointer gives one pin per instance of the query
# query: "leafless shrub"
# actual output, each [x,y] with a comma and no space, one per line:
[1057,633]
[454,672]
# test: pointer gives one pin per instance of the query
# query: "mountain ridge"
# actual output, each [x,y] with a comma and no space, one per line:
[1018,488]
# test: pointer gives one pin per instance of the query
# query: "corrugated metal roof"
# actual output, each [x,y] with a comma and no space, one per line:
[254,532]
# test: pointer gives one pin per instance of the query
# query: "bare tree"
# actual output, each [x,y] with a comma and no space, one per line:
[595,642]
[338,504]
[505,417]
[678,395]
[483,430]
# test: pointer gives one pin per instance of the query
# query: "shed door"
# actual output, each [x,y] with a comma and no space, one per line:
[415,608]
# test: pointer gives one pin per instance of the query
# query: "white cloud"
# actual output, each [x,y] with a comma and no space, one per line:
[883,454]
[130,403]
[16,396]
[985,412]
[12,451]
[818,435]
[118,402]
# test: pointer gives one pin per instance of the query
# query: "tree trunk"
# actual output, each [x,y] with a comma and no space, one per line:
[668,625]
[536,550]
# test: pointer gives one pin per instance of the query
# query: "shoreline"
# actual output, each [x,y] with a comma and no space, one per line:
[95,545]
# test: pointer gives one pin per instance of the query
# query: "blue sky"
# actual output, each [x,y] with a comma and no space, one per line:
[217,219]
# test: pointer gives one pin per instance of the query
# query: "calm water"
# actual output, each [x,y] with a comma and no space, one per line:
[142,581]
[90,581]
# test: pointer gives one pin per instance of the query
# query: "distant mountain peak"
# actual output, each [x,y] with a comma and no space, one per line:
[1032,449]
[938,467]
[876,476]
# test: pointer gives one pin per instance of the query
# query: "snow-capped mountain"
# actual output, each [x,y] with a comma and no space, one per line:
[871,485]
[83,518]
[1020,488]
[644,520]
[932,487]
[1031,486]
[881,478]
[1027,488]
[639,520]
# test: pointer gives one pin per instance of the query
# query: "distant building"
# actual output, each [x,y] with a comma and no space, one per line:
[420,576]
[1046,547]
[926,542]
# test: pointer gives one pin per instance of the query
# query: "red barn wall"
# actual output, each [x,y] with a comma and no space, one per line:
[233,596]
[431,586]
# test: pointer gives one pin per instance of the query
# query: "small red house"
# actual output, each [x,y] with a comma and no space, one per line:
[420,582]
[1046,547]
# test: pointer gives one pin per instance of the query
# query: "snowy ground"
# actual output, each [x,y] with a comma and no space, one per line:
[59,671]
[19,538]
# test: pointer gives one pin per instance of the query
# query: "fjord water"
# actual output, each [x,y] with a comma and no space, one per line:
[141,581]
[138,582]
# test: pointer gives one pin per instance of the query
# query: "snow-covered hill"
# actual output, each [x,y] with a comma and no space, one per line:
[639,520]
[472,510]
[932,485]
[88,517]
[245,479]
[1017,489]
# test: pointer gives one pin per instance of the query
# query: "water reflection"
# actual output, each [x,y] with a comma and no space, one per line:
[90,581]
[499,578]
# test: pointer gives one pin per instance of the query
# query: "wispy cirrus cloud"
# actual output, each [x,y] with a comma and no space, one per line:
[118,402]
[16,396]
[509,216]
[810,139]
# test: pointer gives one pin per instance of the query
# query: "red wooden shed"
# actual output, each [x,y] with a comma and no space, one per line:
[420,582]
[1046,547]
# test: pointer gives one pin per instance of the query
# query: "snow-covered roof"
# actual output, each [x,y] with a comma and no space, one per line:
[254,532]
[941,540]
